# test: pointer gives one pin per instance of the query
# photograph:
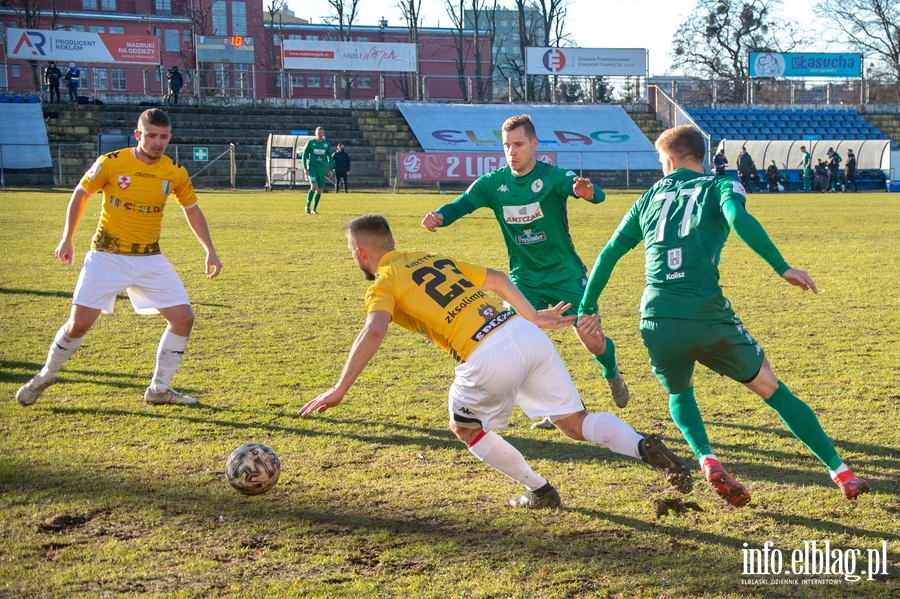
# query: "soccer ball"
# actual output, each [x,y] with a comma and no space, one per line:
[252,468]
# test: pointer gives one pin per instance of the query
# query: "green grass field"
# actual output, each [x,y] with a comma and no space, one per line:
[103,495]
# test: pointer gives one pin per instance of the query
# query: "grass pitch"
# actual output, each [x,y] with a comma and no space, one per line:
[103,495]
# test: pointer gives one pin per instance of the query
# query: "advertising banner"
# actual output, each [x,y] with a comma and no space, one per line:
[418,166]
[348,56]
[597,62]
[804,64]
[82,48]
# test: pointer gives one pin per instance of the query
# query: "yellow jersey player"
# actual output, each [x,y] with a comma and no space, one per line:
[505,360]
[125,254]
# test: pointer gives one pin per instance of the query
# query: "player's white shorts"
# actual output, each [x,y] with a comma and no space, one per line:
[516,365]
[151,282]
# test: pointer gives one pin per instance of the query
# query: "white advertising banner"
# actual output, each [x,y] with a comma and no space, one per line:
[595,136]
[81,48]
[457,166]
[596,62]
[348,56]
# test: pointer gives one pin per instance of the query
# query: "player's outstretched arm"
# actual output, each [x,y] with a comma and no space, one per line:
[432,221]
[617,246]
[65,251]
[498,283]
[364,349]
[584,189]
[197,222]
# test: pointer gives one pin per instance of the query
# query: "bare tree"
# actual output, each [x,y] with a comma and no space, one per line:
[469,13]
[200,13]
[30,15]
[716,39]
[274,28]
[412,14]
[345,14]
[872,27]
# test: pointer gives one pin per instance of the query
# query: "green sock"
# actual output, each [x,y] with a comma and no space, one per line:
[309,197]
[803,423]
[608,360]
[686,414]
[316,201]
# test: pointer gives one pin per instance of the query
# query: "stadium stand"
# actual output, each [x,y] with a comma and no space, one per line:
[784,124]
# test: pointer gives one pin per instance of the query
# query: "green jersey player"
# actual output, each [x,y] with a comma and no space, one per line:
[684,220]
[317,164]
[806,168]
[529,199]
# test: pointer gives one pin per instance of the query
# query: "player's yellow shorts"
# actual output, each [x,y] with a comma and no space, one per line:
[676,344]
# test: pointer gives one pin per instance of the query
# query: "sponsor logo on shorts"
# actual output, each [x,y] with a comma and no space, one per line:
[522,215]
[492,324]
[123,181]
[528,237]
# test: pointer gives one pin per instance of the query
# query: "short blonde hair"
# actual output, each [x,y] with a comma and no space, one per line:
[683,141]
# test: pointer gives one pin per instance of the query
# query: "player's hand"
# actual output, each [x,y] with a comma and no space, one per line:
[583,188]
[800,279]
[432,221]
[329,399]
[589,324]
[213,265]
[553,318]
[65,251]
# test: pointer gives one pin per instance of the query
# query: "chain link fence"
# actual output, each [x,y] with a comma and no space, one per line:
[212,166]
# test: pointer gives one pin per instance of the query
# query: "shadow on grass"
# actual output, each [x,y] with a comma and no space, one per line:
[114,379]
[8,291]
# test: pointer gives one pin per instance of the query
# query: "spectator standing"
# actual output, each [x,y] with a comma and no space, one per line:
[52,76]
[73,78]
[719,162]
[773,177]
[176,82]
[821,176]
[746,168]
[850,172]
[806,171]
[834,171]
[341,161]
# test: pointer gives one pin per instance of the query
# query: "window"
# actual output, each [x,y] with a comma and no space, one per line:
[119,80]
[312,38]
[96,28]
[89,4]
[100,81]
[362,38]
[515,36]
[276,39]
[296,80]
[173,40]
[364,83]
[328,81]
[16,70]
[219,18]
[186,38]
[312,81]
[163,7]
[76,27]
[116,29]
[108,5]
[238,17]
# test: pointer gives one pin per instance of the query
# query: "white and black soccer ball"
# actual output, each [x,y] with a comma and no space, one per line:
[252,468]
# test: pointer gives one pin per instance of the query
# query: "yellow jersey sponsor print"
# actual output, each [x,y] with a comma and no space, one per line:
[134,197]
[437,297]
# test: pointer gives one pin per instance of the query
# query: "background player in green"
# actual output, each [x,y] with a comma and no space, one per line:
[529,199]
[317,164]
[806,168]
[684,220]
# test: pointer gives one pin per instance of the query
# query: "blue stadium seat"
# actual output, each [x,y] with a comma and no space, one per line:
[4,99]
[33,100]
[841,111]
[18,100]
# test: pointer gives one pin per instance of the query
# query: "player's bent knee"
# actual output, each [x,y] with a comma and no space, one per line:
[464,434]
[570,425]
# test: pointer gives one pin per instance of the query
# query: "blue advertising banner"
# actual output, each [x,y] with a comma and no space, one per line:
[804,64]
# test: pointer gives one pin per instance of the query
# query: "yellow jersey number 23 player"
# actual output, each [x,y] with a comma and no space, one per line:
[125,254]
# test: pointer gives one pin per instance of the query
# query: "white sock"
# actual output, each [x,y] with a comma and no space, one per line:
[841,469]
[706,457]
[62,349]
[496,452]
[610,431]
[168,357]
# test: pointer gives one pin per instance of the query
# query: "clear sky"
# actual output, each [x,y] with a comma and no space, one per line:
[592,23]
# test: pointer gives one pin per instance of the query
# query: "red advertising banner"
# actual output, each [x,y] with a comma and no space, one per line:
[419,166]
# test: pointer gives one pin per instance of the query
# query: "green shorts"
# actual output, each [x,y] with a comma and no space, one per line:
[547,296]
[317,177]
[724,346]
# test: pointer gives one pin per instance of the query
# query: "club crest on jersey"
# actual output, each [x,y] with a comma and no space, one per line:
[537,185]
[673,259]
[166,186]
[123,181]
[487,312]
